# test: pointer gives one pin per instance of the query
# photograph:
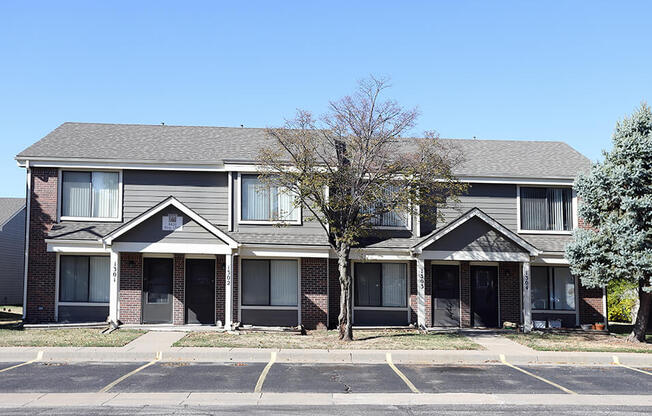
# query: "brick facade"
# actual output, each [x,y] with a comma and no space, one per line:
[41,267]
[131,288]
[591,307]
[178,290]
[220,269]
[333,293]
[314,292]
[236,312]
[510,292]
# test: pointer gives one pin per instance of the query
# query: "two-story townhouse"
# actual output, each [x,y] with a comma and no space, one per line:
[142,224]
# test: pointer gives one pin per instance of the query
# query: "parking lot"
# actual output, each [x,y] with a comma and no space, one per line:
[161,376]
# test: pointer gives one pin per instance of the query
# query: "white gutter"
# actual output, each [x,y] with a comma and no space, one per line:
[27,216]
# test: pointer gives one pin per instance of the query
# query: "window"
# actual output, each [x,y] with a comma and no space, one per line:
[546,209]
[553,288]
[388,218]
[269,282]
[381,284]
[90,194]
[261,202]
[84,279]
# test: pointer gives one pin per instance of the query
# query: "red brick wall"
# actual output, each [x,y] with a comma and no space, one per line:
[333,292]
[510,292]
[220,269]
[131,287]
[428,290]
[41,267]
[314,292]
[178,290]
[412,271]
[465,295]
[591,310]
[235,289]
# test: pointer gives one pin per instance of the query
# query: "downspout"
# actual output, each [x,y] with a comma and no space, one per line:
[28,191]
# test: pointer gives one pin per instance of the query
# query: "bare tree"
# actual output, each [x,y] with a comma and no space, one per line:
[354,164]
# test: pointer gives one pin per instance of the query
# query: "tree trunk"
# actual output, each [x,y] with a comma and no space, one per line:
[344,323]
[640,325]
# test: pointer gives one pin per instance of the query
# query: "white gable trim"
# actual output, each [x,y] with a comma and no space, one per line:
[171,201]
[476,212]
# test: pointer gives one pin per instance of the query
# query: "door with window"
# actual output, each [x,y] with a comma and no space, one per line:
[484,296]
[446,295]
[200,291]
[157,290]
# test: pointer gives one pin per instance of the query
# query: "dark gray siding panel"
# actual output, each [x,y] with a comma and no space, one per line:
[12,260]
[475,235]
[204,192]
[150,231]
[496,200]
[269,317]
[83,313]
[380,318]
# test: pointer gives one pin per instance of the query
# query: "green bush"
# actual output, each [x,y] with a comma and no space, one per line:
[621,299]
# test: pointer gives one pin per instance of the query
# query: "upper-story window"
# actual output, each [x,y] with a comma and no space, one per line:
[262,202]
[388,218]
[90,195]
[546,209]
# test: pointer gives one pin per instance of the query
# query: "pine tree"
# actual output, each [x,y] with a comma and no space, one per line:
[615,201]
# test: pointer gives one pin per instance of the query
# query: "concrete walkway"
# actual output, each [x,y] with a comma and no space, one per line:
[154,341]
[497,343]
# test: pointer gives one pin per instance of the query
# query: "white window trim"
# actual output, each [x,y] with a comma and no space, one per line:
[574,220]
[381,308]
[299,221]
[269,307]
[57,276]
[88,219]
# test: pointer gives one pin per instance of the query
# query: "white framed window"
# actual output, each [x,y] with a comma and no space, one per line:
[553,289]
[389,219]
[546,210]
[90,195]
[270,283]
[84,279]
[264,204]
[380,285]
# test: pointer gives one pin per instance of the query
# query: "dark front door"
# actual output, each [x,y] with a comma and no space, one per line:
[200,291]
[484,296]
[157,290]
[446,295]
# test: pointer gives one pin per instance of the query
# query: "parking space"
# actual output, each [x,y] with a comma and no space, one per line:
[595,380]
[474,379]
[187,377]
[48,377]
[339,378]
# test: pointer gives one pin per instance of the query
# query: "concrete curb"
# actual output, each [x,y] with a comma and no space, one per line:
[199,354]
[37,400]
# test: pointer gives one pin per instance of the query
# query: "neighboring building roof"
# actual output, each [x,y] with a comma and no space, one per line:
[82,230]
[215,145]
[9,207]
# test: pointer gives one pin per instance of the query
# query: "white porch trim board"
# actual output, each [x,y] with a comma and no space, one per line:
[527,297]
[421,293]
[114,286]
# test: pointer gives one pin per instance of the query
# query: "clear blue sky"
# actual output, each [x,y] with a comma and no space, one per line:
[514,70]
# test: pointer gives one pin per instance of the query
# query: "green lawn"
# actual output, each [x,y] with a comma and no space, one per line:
[581,341]
[73,337]
[381,339]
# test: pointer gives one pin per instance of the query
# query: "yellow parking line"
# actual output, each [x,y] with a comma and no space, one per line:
[617,362]
[39,357]
[407,381]
[108,387]
[261,379]
[562,388]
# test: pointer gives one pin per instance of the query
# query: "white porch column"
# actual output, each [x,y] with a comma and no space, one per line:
[421,293]
[114,286]
[527,298]
[228,292]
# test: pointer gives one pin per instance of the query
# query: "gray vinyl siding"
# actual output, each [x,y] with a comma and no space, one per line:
[12,260]
[475,235]
[150,231]
[206,193]
[496,200]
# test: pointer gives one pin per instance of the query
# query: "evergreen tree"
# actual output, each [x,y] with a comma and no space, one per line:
[615,201]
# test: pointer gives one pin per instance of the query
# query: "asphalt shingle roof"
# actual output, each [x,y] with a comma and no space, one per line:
[9,207]
[156,143]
